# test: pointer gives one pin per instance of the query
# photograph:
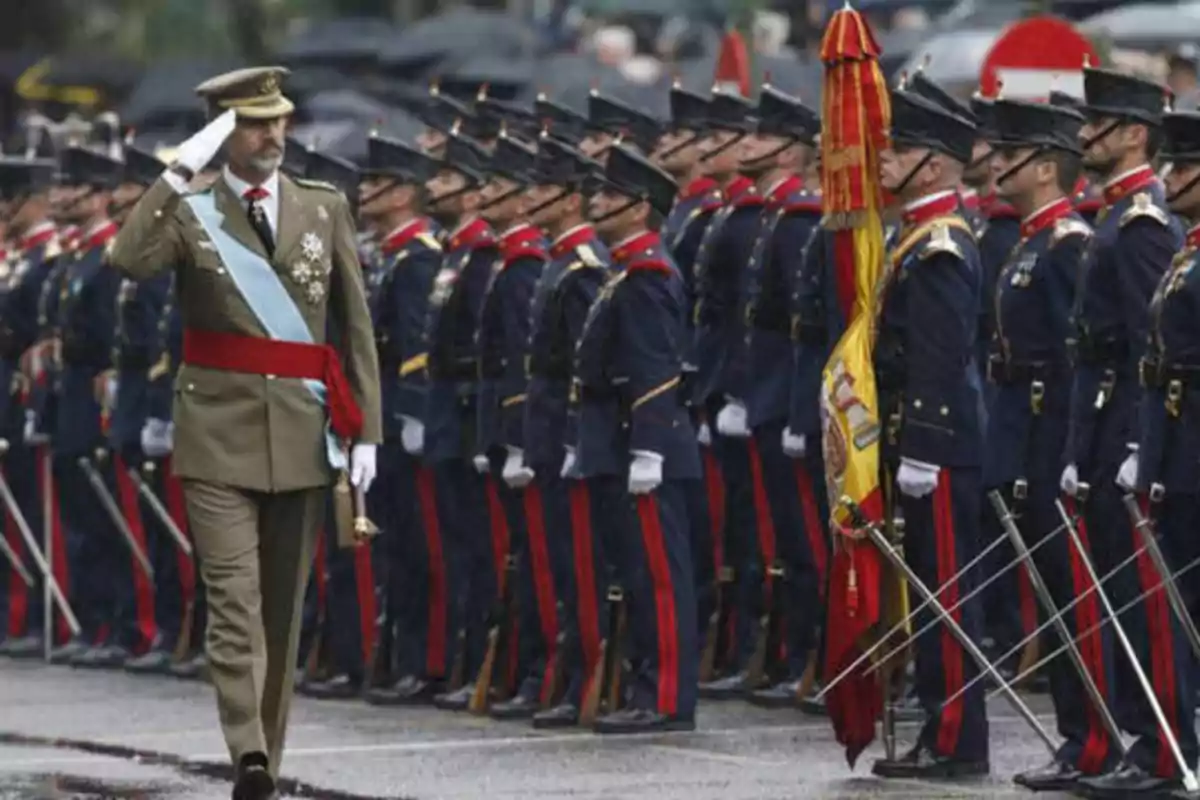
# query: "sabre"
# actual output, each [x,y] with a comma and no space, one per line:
[1191,565]
[984,584]
[1144,527]
[114,513]
[1039,586]
[903,623]
[160,511]
[35,552]
[898,562]
[1189,777]
[15,560]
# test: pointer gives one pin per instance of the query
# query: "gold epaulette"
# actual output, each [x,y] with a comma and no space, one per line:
[1144,206]
[588,256]
[308,183]
[161,367]
[1067,227]
[429,241]
[414,364]
[940,241]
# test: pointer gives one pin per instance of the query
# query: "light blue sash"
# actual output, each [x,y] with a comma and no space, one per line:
[266,296]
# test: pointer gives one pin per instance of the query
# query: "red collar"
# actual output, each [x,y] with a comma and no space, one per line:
[1138,179]
[784,189]
[933,209]
[637,245]
[521,241]
[70,236]
[738,188]
[409,231]
[970,199]
[39,235]
[580,234]
[100,236]
[475,233]
[1193,236]
[700,186]
[1044,218]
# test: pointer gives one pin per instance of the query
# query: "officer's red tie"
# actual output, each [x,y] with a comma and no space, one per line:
[258,216]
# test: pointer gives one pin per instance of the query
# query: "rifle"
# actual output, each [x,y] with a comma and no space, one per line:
[501,639]
[605,681]
[716,638]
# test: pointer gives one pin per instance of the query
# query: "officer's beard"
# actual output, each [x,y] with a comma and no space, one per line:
[445,217]
[1101,168]
[755,170]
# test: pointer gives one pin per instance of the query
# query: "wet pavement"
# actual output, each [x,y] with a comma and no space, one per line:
[71,734]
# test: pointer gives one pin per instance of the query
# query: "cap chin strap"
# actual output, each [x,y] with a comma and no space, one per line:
[766,156]
[433,201]
[495,201]
[392,182]
[619,210]
[1105,131]
[1020,165]
[529,213]
[1187,187]
[714,153]
[978,161]
[912,173]
[686,143]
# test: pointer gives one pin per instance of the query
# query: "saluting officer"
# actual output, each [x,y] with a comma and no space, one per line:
[263,408]
[1135,239]
[929,396]
[1036,166]
[418,605]
[636,445]
[578,266]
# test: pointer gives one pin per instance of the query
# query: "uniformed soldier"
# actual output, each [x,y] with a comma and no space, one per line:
[417,604]
[578,266]
[451,405]
[929,393]
[34,250]
[1135,239]
[609,120]
[1162,469]
[140,360]
[263,409]
[560,121]
[1085,196]
[777,156]
[1036,167]
[439,112]
[503,347]
[112,580]
[635,443]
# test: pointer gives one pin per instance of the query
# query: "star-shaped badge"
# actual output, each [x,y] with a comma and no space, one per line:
[302,272]
[315,291]
[312,246]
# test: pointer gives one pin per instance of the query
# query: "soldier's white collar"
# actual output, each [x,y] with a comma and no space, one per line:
[921,202]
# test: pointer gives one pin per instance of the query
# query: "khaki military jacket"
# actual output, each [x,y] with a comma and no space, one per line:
[258,432]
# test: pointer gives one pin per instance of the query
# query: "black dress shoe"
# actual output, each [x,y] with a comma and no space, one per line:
[152,662]
[1053,777]
[458,700]
[253,781]
[1127,780]
[84,658]
[408,691]
[520,707]
[642,720]
[63,654]
[781,695]
[921,762]
[22,647]
[564,715]
[812,703]
[189,669]
[731,687]
[339,687]
[111,656]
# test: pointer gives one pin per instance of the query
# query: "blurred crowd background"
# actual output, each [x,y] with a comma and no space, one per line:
[362,64]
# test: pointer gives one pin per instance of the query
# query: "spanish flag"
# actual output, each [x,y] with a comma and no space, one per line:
[856,117]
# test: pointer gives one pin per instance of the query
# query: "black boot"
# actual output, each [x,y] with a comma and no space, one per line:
[253,781]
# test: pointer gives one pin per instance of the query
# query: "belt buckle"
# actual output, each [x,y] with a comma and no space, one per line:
[1174,396]
[1037,394]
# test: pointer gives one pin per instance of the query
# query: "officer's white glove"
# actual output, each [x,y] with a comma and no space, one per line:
[704,435]
[156,438]
[645,472]
[362,466]
[482,465]
[1127,475]
[1069,482]
[916,478]
[197,151]
[110,391]
[29,429]
[412,436]
[515,473]
[794,446]
[731,420]
[568,463]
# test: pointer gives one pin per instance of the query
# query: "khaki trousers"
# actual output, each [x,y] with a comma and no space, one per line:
[256,550]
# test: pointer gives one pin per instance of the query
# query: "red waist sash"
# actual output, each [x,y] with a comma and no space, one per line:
[234,352]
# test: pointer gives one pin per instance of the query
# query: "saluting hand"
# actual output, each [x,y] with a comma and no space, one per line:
[198,150]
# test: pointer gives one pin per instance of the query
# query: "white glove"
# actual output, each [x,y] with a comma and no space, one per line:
[645,472]
[1069,482]
[198,151]
[362,466]
[412,436]
[568,463]
[482,465]
[1127,475]
[29,430]
[110,391]
[916,478]
[704,435]
[515,473]
[156,438]
[794,446]
[731,420]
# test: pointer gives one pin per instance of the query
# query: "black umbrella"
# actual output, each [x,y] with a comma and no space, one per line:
[463,32]
[165,98]
[347,42]
[1146,26]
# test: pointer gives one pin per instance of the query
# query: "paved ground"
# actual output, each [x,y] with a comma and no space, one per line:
[72,734]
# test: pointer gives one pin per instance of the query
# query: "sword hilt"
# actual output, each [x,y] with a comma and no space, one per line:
[1157,492]
[3,447]
[1082,492]
[100,454]
[149,468]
